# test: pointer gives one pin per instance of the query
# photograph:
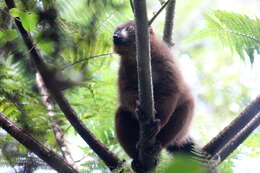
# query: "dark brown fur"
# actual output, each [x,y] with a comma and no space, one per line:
[174,103]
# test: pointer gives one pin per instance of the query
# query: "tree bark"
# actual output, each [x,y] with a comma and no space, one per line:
[147,157]
[233,143]
[235,126]
[50,157]
[101,150]
[169,22]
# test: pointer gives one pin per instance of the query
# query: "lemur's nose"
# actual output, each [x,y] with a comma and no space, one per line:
[117,38]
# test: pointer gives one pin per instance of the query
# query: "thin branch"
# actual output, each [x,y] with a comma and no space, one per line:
[157,13]
[235,126]
[50,157]
[86,59]
[169,22]
[101,150]
[231,145]
[58,133]
[132,5]
[229,138]
[146,117]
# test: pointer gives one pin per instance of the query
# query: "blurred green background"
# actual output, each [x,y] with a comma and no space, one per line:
[223,83]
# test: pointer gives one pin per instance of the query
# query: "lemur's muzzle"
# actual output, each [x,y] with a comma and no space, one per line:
[118,39]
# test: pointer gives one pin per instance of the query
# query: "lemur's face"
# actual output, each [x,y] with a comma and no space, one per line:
[124,37]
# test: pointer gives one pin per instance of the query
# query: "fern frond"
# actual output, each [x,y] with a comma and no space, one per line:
[19,102]
[239,32]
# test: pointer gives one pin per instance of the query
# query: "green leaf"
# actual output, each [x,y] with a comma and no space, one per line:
[46,46]
[239,32]
[250,53]
[184,164]
[15,12]
[1,34]
[7,35]
[29,21]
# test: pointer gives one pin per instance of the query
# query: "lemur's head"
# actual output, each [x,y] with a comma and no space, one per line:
[124,38]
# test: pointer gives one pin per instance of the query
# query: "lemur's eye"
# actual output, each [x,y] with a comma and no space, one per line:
[130,28]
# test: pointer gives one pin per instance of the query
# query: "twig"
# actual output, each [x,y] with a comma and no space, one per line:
[132,6]
[157,13]
[58,133]
[85,59]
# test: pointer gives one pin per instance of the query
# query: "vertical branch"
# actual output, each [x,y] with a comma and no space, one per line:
[58,133]
[169,22]
[147,158]
[143,61]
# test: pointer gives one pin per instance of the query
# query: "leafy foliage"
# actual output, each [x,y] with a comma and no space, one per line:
[7,35]
[240,32]
[18,101]
[24,107]
[29,20]
[63,41]
[184,164]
